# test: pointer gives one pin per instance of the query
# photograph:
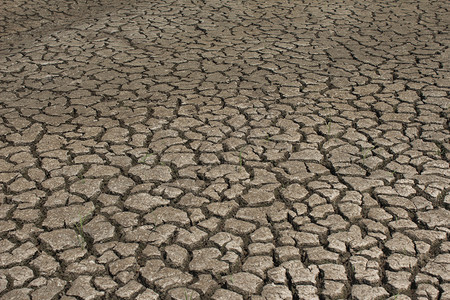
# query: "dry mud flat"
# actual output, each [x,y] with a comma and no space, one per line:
[224,150]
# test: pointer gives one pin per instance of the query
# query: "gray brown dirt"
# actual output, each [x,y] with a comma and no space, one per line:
[224,149]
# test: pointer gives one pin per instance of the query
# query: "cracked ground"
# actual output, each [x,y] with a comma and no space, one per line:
[224,150]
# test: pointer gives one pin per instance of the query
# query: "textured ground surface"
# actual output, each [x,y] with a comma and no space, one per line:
[224,150]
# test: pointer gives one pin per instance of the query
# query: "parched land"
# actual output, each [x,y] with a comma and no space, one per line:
[224,150]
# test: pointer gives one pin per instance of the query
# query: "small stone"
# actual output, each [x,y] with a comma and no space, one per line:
[21,185]
[46,264]
[223,208]
[277,275]
[81,287]
[99,229]
[190,200]
[350,210]
[399,281]
[295,192]
[257,197]
[87,187]
[399,262]
[244,283]
[148,174]
[239,227]
[191,238]
[126,218]
[72,255]
[143,202]
[258,265]
[428,236]
[333,289]
[102,171]
[262,234]
[222,294]
[205,284]
[307,292]
[322,211]
[367,292]
[17,294]
[439,267]
[68,215]
[286,253]
[85,266]
[435,218]
[120,185]
[125,276]
[105,283]
[361,184]
[333,272]
[176,255]
[229,241]
[51,289]
[3,283]
[60,239]
[148,294]
[401,243]
[276,292]
[207,259]
[167,214]
[319,255]
[20,275]
[122,264]
[300,274]
[131,288]
[163,277]
[427,291]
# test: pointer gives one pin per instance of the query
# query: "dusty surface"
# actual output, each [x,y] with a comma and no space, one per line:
[224,150]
